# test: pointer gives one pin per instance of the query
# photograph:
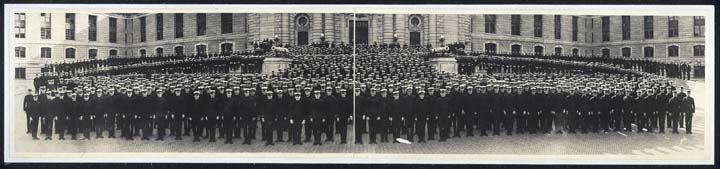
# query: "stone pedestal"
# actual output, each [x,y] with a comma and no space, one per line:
[274,64]
[444,64]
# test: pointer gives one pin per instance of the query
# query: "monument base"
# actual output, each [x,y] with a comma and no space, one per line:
[274,64]
[444,64]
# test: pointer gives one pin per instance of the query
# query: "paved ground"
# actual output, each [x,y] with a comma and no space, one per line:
[615,143]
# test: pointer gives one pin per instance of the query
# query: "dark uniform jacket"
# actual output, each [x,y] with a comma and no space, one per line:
[423,107]
[317,108]
[269,109]
[346,106]
[160,106]
[688,105]
[88,108]
[443,108]
[73,109]
[394,108]
[34,108]
[408,109]
[297,110]
[229,106]
[197,108]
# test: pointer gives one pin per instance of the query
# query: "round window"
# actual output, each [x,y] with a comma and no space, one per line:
[302,21]
[415,21]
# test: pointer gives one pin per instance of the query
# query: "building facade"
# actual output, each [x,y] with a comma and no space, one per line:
[41,38]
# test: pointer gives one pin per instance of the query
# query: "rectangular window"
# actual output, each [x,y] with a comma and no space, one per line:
[142,29]
[673,26]
[515,24]
[673,51]
[45,25]
[626,52]
[558,27]
[69,26]
[490,23]
[20,52]
[19,25]
[20,73]
[70,53]
[179,24]
[605,28]
[92,53]
[226,24]
[699,50]
[649,27]
[625,27]
[537,26]
[159,26]
[200,22]
[113,30]
[698,26]
[574,28]
[92,28]
[45,52]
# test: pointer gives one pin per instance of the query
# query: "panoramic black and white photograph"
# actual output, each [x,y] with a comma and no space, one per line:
[359,84]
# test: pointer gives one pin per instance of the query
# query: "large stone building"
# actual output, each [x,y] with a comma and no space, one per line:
[41,38]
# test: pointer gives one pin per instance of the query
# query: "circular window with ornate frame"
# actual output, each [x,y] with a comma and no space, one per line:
[302,20]
[415,23]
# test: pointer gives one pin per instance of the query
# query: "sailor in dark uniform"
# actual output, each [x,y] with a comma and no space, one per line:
[160,114]
[229,106]
[297,116]
[317,115]
[443,114]
[687,106]
[344,114]
[423,108]
[34,107]
[197,106]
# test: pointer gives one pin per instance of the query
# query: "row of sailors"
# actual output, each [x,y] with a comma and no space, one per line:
[412,112]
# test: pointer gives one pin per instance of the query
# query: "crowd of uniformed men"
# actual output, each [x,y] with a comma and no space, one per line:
[395,93]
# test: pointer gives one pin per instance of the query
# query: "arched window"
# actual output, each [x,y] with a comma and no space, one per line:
[70,53]
[558,51]
[226,48]
[575,52]
[605,52]
[699,50]
[673,51]
[113,52]
[490,48]
[20,52]
[626,52]
[143,53]
[159,52]
[648,52]
[201,49]
[539,50]
[179,50]
[515,49]
[92,53]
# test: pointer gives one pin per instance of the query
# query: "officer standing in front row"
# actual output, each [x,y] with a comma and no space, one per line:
[423,115]
[688,107]
[34,109]
[297,116]
[344,114]
[443,114]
